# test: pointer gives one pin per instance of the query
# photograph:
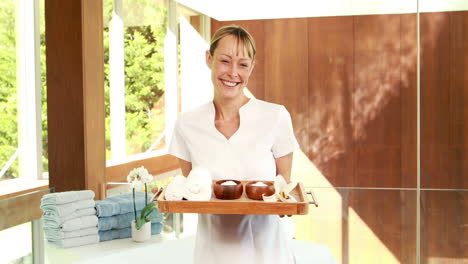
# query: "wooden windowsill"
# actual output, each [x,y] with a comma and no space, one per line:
[16,187]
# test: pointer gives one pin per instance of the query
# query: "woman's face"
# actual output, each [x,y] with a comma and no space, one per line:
[230,68]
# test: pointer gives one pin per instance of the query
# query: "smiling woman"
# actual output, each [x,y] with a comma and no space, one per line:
[236,138]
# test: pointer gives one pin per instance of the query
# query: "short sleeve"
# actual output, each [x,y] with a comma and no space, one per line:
[178,146]
[285,142]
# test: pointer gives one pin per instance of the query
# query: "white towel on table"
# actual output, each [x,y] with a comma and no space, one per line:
[67,197]
[198,186]
[76,241]
[74,224]
[55,234]
[80,223]
[175,189]
[52,216]
[62,210]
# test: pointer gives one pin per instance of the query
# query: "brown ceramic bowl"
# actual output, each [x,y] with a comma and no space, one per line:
[228,192]
[256,192]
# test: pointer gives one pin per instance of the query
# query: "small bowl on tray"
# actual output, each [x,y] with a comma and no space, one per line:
[256,189]
[231,191]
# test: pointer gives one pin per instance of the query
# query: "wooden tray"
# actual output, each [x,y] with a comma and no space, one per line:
[243,205]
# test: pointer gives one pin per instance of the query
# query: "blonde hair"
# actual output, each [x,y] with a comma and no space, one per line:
[243,38]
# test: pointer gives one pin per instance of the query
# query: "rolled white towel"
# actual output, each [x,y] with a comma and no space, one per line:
[198,186]
[67,197]
[175,189]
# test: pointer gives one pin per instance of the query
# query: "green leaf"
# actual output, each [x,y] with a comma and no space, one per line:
[147,210]
[139,223]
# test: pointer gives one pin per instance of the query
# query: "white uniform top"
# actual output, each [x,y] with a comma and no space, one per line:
[265,133]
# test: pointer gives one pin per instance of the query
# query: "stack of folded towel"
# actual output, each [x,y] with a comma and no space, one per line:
[69,218]
[116,213]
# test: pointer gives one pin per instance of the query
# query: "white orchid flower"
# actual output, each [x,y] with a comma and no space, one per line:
[282,191]
[138,177]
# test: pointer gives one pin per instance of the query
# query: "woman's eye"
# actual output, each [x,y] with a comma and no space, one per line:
[244,65]
[224,61]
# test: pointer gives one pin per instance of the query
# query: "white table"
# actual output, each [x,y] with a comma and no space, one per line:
[162,249]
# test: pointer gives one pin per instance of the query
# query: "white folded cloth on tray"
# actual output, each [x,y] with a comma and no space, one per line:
[198,186]
[175,190]
[66,197]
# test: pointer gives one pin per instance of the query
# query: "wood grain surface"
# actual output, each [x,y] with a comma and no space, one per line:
[243,205]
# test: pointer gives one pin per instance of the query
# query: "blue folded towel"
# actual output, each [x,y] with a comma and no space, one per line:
[123,220]
[126,232]
[120,204]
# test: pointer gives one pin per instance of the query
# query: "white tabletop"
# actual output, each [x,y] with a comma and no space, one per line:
[162,249]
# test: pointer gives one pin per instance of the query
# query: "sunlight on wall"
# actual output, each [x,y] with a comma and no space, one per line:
[447,260]
[365,246]
[325,224]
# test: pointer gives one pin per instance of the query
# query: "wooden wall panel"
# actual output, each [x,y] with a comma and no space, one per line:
[330,88]
[75,94]
[459,100]
[408,91]
[286,70]
[435,99]
[381,211]
[362,115]
[444,89]
[444,236]
[376,109]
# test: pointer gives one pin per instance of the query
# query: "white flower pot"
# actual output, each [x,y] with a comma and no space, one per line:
[143,234]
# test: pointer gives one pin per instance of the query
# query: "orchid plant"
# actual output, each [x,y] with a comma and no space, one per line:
[138,178]
[282,191]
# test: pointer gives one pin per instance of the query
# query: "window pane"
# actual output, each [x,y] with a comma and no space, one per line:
[45,145]
[8,91]
[18,94]
[134,76]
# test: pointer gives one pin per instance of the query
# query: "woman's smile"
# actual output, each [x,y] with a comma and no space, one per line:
[230,84]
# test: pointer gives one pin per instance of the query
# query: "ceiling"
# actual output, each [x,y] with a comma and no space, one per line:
[225,10]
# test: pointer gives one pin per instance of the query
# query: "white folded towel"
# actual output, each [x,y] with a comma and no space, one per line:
[198,186]
[80,223]
[55,234]
[62,210]
[76,241]
[66,197]
[175,189]
[74,224]
[52,216]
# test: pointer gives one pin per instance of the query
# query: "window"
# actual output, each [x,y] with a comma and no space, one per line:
[134,37]
[23,122]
